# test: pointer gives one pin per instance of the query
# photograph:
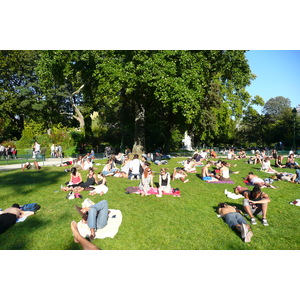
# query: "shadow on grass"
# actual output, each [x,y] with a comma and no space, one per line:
[24,182]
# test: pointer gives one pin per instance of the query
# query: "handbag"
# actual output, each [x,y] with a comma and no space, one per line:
[70,195]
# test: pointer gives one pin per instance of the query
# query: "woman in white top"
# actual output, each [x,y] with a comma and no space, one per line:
[146,182]
[266,166]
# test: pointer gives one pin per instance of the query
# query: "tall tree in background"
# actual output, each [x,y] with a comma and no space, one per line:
[20,96]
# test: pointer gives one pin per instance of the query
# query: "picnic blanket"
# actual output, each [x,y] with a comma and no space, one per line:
[110,230]
[152,191]
[221,181]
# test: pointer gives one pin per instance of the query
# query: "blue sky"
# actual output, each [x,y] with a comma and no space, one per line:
[278,74]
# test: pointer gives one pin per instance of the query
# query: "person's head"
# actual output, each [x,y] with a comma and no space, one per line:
[222,205]
[73,171]
[147,171]
[256,190]
[224,163]
[209,163]
[16,205]
[136,156]
[91,171]
[250,173]
[163,171]
[100,175]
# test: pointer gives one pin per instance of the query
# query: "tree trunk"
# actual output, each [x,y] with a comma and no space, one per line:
[139,134]
[78,115]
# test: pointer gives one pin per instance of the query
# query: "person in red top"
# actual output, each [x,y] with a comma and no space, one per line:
[75,180]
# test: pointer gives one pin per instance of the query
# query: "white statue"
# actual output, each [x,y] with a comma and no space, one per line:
[187,142]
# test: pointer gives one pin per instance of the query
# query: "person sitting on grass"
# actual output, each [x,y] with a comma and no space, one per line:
[86,245]
[233,218]
[224,172]
[279,162]
[94,216]
[9,216]
[101,188]
[255,180]
[85,186]
[164,184]
[179,173]
[296,177]
[290,162]
[266,166]
[108,169]
[206,174]
[75,180]
[256,202]
[146,182]
[189,165]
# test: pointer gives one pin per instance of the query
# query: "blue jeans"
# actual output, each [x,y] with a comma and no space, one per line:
[298,175]
[233,219]
[97,215]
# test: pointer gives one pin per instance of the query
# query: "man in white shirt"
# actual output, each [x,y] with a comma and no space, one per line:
[134,167]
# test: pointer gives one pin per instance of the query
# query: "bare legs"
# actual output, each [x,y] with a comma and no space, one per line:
[86,245]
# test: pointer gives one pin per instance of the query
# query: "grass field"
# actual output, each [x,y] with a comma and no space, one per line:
[188,222]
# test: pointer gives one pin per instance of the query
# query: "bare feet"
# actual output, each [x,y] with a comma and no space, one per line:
[75,231]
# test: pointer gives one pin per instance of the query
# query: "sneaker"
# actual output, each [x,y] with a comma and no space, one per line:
[253,221]
[265,222]
[244,230]
[248,237]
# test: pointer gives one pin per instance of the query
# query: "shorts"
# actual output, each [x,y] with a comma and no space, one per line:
[257,210]
[7,220]
[232,219]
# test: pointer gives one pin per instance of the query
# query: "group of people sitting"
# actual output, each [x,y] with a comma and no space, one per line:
[221,171]
[94,184]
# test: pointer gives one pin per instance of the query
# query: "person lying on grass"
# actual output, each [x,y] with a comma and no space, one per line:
[179,173]
[9,216]
[27,165]
[235,220]
[94,216]
[255,203]
[254,179]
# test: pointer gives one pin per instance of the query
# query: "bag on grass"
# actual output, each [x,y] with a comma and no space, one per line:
[31,207]
[71,195]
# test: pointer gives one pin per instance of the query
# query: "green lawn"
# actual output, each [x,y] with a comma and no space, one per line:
[186,223]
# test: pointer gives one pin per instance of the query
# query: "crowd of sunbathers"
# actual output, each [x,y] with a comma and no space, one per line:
[255,201]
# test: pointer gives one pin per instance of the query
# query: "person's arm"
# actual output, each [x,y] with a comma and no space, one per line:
[264,200]
[159,181]
[96,179]
[80,177]
[174,173]
[151,180]
[169,180]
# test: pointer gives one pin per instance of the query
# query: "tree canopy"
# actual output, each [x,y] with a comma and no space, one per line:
[143,98]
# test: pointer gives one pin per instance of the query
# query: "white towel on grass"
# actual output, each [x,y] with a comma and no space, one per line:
[232,195]
[110,230]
